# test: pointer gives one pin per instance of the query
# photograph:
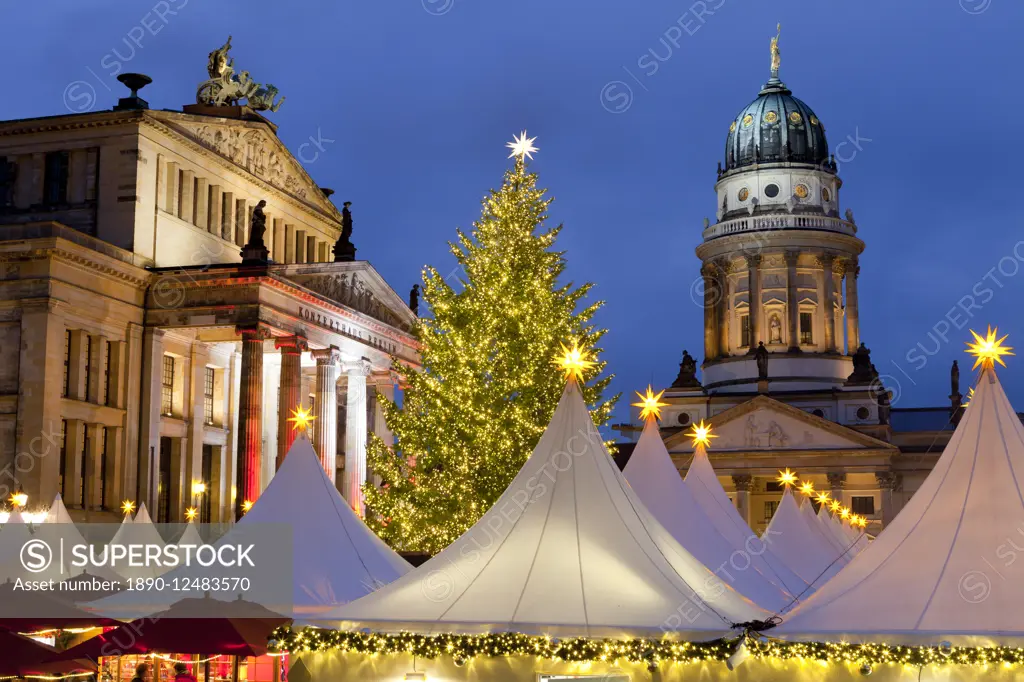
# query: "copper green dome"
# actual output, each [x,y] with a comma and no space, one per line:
[776,128]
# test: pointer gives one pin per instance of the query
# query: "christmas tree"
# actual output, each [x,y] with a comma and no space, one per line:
[473,414]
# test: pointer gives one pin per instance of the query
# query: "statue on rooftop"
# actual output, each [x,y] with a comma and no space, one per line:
[224,88]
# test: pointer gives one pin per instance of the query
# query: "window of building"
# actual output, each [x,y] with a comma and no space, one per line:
[55,178]
[108,376]
[8,178]
[82,460]
[103,469]
[206,498]
[208,395]
[773,487]
[806,325]
[88,363]
[744,331]
[63,458]
[167,387]
[864,506]
[163,485]
[769,509]
[67,363]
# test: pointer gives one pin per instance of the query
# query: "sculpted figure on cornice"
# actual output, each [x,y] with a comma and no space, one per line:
[251,151]
[351,291]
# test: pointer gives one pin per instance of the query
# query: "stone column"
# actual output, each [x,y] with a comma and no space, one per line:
[355,434]
[852,307]
[744,484]
[76,455]
[828,307]
[723,310]
[291,348]
[196,430]
[325,426]
[754,299]
[837,482]
[149,431]
[888,481]
[91,468]
[271,417]
[707,271]
[793,301]
[250,416]
[115,468]
[229,463]
[37,430]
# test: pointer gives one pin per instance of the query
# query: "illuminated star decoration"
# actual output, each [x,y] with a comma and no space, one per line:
[787,478]
[988,350]
[574,362]
[191,513]
[127,507]
[19,499]
[246,506]
[701,434]
[301,418]
[522,146]
[844,513]
[970,397]
[823,498]
[807,488]
[651,404]
[834,506]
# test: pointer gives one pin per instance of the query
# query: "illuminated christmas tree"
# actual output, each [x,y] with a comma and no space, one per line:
[471,417]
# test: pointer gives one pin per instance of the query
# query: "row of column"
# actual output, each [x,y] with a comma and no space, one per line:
[888,482]
[717,340]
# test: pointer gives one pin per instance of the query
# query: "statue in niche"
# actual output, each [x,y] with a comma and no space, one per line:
[775,330]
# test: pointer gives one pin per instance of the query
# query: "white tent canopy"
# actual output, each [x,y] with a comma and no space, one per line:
[567,550]
[803,547]
[13,536]
[336,557]
[656,481]
[837,533]
[140,531]
[939,571]
[824,535]
[702,482]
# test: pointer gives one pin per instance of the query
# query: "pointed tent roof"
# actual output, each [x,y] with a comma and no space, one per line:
[13,536]
[189,536]
[804,549]
[567,550]
[656,481]
[824,536]
[848,543]
[702,482]
[935,573]
[336,557]
[140,531]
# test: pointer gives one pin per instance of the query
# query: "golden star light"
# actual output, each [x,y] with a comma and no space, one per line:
[19,499]
[191,513]
[246,506]
[970,397]
[127,507]
[522,146]
[844,513]
[574,362]
[787,478]
[651,404]
[807,488]
[701,434]
[823,498]
[834,506]
[301,418]
[988,350]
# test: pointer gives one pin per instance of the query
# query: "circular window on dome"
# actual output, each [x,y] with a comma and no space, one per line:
[743,194]
[771,117]
[863,412]
[771,191]
[825,194]
[747,120]
[818,413]
[684,418]
[732,127]
[801,191]
[795,118]
[814,120]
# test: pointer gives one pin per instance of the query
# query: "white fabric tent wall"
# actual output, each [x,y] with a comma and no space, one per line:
[815,526]
[567,550]
[829,522]
[13,536]
[939,570]
[803,548]
[658,484]
[703,484]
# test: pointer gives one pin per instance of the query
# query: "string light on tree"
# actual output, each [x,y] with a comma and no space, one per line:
[988,350]
[786,478]
[476,408]
[701,434]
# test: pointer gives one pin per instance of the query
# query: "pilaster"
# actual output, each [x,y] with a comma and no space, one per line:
[793,301]
[754,296]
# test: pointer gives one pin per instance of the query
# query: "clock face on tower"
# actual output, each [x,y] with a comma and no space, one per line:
[825,194]
[801,191]
[743,194]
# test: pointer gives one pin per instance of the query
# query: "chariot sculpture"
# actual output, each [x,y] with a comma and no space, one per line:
[224,88]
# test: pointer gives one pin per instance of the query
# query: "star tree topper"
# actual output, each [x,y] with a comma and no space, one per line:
[701,434]
[650,404]
[574,362]
[522,146]
[988,350]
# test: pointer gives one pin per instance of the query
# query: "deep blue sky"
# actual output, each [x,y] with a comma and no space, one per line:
[419,99]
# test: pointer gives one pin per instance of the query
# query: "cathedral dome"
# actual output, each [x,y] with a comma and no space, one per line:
[776,128]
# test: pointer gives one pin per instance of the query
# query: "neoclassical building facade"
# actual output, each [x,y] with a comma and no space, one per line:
[785,379]
[140,358]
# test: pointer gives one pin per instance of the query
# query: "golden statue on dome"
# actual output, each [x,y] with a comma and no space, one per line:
[776,55]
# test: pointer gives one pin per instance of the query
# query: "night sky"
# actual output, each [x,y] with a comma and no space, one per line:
[412,103]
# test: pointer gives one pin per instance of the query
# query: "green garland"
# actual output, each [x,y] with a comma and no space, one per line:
[649,651]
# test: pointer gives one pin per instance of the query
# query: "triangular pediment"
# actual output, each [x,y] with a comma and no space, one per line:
[764,423]
[251,146]
[356,285]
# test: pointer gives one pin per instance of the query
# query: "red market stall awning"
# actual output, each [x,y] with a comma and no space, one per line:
[37,611]
[22,657]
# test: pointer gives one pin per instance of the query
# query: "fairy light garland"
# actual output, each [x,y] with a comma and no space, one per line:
[648,651]
[169,659]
